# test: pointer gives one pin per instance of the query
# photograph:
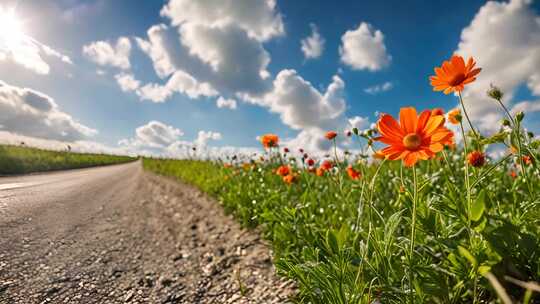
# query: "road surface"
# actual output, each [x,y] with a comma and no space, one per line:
[117,234]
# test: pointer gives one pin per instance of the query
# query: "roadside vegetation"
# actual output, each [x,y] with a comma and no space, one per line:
[426,218]
[23,159]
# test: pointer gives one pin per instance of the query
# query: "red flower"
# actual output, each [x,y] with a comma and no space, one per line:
[330,135]
[527,160]
[270,140]
[310,162]
[327,165]
[283,171]
[286,150]
[353,174]
[476,159]
[289,179]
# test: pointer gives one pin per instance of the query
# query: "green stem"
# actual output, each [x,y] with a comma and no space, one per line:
[413,234]
[467,117]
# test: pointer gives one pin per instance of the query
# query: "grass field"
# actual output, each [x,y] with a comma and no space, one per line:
[354,236]
[21,160]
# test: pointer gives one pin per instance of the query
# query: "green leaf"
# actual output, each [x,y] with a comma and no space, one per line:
[467,254]
[478,206]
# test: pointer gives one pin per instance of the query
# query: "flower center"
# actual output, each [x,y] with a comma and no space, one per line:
[412,141]
[457,79]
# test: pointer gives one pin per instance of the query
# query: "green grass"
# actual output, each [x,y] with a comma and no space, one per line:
[21,160]
[348,241]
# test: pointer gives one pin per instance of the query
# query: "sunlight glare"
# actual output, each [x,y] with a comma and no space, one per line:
[11,31]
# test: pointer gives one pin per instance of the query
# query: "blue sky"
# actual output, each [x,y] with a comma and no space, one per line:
[417,36]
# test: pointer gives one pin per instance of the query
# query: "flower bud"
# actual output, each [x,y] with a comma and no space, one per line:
[355,131]
[370,142]
[520,116]
[506,122]
[495,93]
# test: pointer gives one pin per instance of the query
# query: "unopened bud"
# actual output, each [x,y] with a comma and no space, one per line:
[506,122]
[355,131]
[531,134]
[495,93]
[369,132]
[370,142]
[520,116]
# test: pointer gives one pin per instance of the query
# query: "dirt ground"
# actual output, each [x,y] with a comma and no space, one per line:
[146,240]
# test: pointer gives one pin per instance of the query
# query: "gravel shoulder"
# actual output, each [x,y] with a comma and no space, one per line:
[133,238]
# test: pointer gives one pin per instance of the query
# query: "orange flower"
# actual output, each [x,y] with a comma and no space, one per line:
[513,150]
[289,179]
[330,135]
[283,170]
[353,174]
[454,74]
[527,160]
[453,116]
[378,155]
[270,140]
[227,165]
[437,111]
[513,174]
[327,165]
[414,137]
[476,159]
[320,171]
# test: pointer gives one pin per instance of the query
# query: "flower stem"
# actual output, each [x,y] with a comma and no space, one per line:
[413,234]
[467,117]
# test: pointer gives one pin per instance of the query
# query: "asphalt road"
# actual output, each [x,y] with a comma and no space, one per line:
[117,234]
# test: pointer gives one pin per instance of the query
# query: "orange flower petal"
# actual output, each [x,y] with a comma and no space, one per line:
[408,119]
[433,124]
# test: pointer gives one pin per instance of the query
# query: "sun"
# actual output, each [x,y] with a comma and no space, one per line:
[11,29]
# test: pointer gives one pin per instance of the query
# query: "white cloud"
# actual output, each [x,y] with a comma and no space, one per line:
[256,17]
[180,82]
[226,103]
[364,48]
[204,137]
[379,88]
[154,134]
[313,45]
[127,82]
[526,107]
[504,38]
[359,122]
[103,53]
[31,113]
[301,106]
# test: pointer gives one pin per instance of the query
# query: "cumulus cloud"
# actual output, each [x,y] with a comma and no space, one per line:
[359,122]
[226,103]
[158,139]
[180,82]
[31,113]
[504,38]
[127,82]
[379,88]
[526,107]
[204,137]
[154,134]
[313,45]
[256,17]
[106,54]
[364,49]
